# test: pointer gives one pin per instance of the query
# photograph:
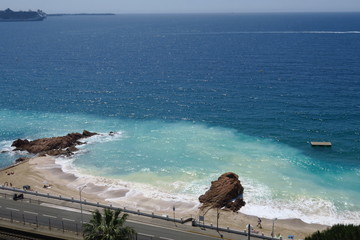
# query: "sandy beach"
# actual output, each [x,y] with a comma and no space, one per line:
[39,171]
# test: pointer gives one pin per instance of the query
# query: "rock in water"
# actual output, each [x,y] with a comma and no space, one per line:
[88,134]
[19,143]
[54,146]
[21,159]
[226,192]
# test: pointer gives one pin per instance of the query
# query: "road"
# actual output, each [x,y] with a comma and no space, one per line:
[60,217]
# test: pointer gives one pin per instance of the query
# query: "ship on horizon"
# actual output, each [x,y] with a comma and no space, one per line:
[9,15]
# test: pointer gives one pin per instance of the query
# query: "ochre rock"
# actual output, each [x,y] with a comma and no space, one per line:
[226,192]
[54,146]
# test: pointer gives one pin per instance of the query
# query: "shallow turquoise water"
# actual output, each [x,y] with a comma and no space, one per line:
[182,158]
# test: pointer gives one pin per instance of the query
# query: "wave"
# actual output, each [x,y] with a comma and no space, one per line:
[265,202]
[132,195]
[104,137]
[260,198]
[309,210]
[5,147]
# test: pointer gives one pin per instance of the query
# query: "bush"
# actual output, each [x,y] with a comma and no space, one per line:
[337,232]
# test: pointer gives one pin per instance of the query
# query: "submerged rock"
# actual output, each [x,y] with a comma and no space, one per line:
[64,145]
[226,192]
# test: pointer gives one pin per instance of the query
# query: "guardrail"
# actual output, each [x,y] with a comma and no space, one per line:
[84,202]
[228,230]
[138,212]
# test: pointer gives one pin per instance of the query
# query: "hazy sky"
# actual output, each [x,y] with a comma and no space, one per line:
[182,6]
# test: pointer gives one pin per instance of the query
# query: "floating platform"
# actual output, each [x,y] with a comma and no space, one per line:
[320,144]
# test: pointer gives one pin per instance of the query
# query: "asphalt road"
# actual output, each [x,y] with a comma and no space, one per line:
[55,216]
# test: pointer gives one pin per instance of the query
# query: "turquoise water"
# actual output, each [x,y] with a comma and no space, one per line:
[193,96]
[181,158]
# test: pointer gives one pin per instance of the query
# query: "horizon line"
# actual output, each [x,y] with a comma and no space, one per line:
[252,12]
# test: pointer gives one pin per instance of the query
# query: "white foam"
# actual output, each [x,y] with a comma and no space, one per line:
[5,146]
[261,202]
[331,32]
[309,210]
[67,163]
[259,198]
[357,171]
[104,137]
[133,191]
[314,32]
[279,32]
[147,187]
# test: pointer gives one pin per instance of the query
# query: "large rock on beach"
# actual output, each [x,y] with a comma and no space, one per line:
[226,192]
[64,145]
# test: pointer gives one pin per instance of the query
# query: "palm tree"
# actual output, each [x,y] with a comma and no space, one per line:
[108,226]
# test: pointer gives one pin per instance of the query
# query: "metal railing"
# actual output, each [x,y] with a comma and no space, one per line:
[76,227]
[97,205]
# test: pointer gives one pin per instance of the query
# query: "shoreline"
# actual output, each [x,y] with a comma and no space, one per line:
[40,171]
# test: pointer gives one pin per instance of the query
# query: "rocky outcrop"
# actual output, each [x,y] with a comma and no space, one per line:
[54,146]
[226,192]
[21,159]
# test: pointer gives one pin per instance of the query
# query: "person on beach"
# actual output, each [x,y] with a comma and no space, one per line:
[251,229]
[259,223]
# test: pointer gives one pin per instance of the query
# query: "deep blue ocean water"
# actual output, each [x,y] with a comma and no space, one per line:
[192,96]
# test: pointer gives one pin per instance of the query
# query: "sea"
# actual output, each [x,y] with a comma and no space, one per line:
[192,96]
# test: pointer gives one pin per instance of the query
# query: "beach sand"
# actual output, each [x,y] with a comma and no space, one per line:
[39,171]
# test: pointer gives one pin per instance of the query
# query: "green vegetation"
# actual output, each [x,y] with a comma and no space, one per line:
[108,226]
[337,232]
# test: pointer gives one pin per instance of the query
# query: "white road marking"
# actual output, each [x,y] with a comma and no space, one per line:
[146,235]
[64,208]
[66,219]
[31,212]
[13,209]
[49,216]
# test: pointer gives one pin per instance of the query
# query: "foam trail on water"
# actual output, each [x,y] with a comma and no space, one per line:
[104,137]
[274,32]
[312,32]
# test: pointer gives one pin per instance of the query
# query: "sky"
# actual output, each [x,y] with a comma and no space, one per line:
[182,6]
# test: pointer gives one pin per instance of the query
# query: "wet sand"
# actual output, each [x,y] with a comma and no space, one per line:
[40,171]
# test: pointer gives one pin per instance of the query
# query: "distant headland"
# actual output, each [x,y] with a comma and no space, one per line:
[9,15]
